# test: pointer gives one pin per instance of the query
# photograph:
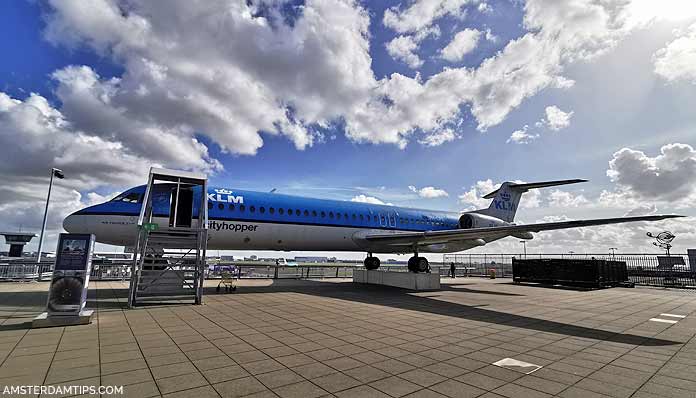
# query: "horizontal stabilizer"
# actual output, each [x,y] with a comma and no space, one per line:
[524,187]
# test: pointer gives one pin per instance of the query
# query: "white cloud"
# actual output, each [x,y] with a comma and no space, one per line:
[490,36]
[522,136]
[677,60]
[669,176]
[421,14]
[564,199]
[402,48]
[438,138]
[367,199]
[642,210]
[556,119]
[223,70]
[429,192]
[232,71]
[463,43]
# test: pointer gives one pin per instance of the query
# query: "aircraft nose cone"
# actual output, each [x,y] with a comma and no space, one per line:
[74,223]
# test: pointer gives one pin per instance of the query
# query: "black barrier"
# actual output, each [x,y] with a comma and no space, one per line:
[571,272]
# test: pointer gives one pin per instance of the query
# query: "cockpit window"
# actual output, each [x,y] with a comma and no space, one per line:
[132,197]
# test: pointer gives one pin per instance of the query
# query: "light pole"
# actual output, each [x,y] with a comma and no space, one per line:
[524,243]
[58,174]
[613,256]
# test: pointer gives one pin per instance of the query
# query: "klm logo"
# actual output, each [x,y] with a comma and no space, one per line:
[504,205]
[224,195]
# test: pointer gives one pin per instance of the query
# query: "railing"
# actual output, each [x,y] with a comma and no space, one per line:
[643,269]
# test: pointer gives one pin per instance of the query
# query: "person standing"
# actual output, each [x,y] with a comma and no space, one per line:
[453,270]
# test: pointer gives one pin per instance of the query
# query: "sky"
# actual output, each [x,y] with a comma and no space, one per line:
[422,103]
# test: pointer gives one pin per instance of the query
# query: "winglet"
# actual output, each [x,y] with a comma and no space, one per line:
[524,187]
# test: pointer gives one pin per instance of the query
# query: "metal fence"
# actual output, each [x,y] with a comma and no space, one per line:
[643,269]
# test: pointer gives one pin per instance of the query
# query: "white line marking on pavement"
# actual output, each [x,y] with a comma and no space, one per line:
[663,320]
[674,316]
[509,363]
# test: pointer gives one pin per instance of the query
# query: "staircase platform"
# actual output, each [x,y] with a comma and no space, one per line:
[406,280]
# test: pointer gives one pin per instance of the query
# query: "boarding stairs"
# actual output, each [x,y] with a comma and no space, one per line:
[169,260]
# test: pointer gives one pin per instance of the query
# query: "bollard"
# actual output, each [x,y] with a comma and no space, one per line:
[491,273]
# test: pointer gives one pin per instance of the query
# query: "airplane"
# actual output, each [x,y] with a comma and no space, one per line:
[248,220]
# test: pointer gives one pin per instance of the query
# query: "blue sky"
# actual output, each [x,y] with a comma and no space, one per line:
[315,124]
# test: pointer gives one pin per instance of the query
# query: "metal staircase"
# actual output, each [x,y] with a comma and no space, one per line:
[169,260]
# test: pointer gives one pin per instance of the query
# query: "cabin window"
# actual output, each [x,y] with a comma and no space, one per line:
[281,211]
[362,218]
[231,207]
[242,207]
[289,212]
[262,209]
[306,213]
[338,216]
[375,219]
[354,217]
[323,214]
[298,212]
[210,205]
[271,210]
[314,213]
[221,206]
[252,209]
[330,214]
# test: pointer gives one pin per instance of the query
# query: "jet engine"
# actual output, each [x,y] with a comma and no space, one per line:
[474,220]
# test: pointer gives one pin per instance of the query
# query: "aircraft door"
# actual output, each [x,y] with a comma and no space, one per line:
[392,220]
[383,220]
[181,208]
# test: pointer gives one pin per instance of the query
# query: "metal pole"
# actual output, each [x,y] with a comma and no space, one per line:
[43,225]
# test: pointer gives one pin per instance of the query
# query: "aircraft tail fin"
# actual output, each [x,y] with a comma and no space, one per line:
[507,197]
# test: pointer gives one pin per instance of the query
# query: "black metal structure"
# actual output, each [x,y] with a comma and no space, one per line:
[571,272]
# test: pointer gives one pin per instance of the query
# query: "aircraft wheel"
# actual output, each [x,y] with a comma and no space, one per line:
[371,263]
[413,264]
[422,264]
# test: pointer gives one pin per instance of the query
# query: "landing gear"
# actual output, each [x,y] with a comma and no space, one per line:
[418,264]
[371,262]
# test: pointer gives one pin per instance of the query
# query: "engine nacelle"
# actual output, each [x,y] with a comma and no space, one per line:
[475,220]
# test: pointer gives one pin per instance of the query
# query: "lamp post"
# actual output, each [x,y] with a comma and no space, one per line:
[524,243]
[58,174]
[613,256]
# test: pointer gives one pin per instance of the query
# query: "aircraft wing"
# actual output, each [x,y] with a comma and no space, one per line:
[443,236]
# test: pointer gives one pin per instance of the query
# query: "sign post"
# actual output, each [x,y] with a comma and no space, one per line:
[67,294]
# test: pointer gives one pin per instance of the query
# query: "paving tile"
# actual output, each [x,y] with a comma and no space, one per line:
[200,392]
[422,377]
[362,392]
[343,363]
[313,370]
[456,389]
[239,387]
[181,382]
[279,378]
[482,381]
[303,389]
[218,375]
[264,366]
[513,390]
[395,386]
[175,369]
[336,382]
[367,373]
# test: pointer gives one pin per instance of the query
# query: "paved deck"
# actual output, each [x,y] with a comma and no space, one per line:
[308,339]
